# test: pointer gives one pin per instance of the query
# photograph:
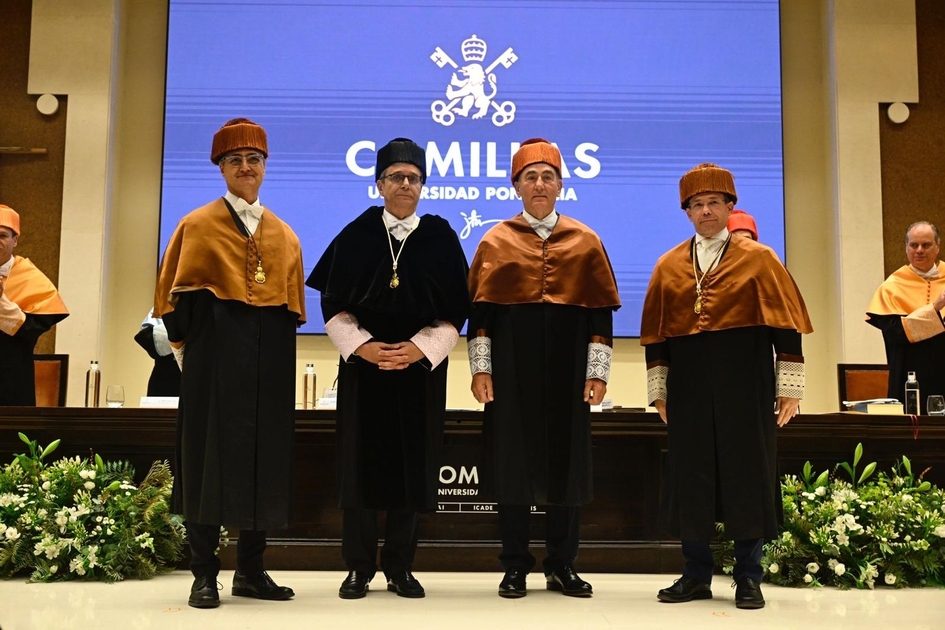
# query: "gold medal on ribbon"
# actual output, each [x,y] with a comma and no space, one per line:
[260,276]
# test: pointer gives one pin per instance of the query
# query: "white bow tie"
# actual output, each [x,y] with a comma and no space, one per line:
[245,208]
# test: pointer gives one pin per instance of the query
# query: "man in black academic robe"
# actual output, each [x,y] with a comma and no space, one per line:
[714,309]
[29,306]
[393,295]
[230,292]
[907,307]
[540,347]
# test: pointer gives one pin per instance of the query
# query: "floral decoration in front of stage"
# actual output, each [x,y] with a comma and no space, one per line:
[887,529]
[85,519]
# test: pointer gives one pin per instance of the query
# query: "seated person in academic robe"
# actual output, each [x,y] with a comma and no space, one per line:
[742,225]
[29,306]
[540,348]
[907,307]
[165,376]
[714,311]
[393,295]
[230,292]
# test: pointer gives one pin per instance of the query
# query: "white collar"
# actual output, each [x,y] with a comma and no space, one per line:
[931,274]
[244,207]
[549,221]
[391,221]
[720,237]
[7,266]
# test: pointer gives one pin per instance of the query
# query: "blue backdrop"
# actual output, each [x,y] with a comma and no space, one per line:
[633,92]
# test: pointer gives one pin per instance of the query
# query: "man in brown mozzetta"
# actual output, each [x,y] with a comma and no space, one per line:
[715,308]
[230,292]
[540,348]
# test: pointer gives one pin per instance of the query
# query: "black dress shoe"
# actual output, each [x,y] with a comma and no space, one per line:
[204,593]
[405,585]
[512,585]
[355,586]
[685,589]
[566,581]
[260,586]
[748,594]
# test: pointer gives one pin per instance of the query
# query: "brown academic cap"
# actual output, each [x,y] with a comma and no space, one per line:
[705,178]
[533,151]
[239,133]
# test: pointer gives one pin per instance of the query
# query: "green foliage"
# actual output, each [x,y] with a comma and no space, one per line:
[888,529]
[85,519]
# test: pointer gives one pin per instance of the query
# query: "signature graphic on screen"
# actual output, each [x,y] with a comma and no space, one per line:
[467,89]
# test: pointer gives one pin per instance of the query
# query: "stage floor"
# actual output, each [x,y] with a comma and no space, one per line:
[457,601]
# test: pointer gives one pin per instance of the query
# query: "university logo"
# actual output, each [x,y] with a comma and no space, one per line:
[466,92]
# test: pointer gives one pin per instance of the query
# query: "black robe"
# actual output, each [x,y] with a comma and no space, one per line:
[18,381]
[536,433]
[236,416]
[165,376]
[390,423]
[926,358]
[722,459]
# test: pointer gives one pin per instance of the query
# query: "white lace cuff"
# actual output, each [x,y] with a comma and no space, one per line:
[656,383]
[923,323]
[480,355]
[599,357]
[436,341]
[11,317]
[179,356]
[346,334]
[790,379]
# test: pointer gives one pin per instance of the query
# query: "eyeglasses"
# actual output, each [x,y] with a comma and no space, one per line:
[236,160]
[398,178]
[713,204]
[546,177]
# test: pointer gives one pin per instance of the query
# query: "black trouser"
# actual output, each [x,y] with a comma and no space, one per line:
[359,541]
[561,537]
[699,563]
[204,540]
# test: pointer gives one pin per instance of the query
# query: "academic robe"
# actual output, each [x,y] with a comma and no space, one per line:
[721,386]
[165,376]
[912,331]
[37,297]
[236,415]
[390,423]
[541,303]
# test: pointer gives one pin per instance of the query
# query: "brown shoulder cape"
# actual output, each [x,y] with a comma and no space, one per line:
[749,287]
[208,251]
[513,265]
[904,291]
[32,291]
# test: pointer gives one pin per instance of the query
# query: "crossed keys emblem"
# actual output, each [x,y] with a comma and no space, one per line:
[467,88]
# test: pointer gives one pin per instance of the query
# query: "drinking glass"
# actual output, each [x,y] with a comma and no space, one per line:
[935,406]
[115,396]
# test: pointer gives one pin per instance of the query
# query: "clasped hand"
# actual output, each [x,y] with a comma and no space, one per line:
[390,356]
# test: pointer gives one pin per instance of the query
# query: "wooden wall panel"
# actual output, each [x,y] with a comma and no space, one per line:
[30,184]
[913,153]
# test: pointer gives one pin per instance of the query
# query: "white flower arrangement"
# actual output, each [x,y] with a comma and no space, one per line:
[874,524]
[85,519]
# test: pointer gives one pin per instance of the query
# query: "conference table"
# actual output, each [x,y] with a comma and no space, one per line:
[619,531]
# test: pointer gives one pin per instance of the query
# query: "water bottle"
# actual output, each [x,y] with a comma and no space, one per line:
[93,384]
[912,395]
[308,387]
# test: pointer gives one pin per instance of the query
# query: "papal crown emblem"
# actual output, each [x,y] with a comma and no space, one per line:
[474,49]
